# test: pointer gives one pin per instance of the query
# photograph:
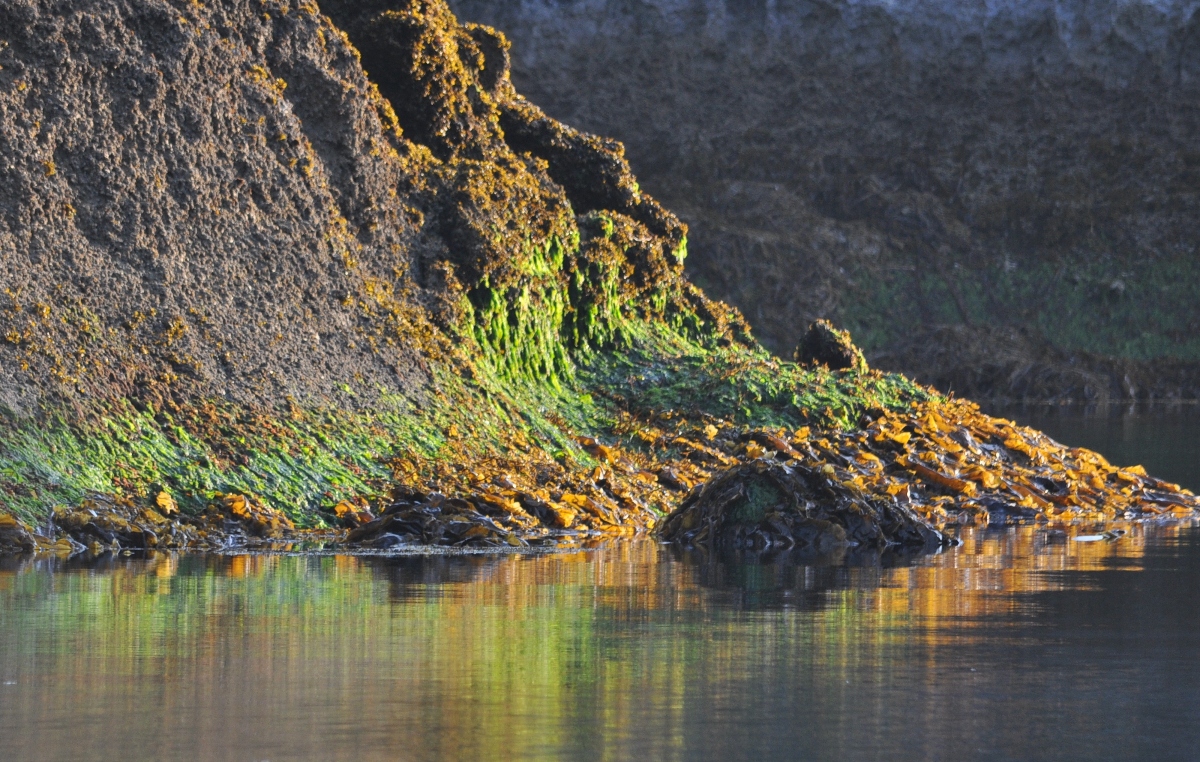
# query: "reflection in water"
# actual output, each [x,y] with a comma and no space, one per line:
[1017,645]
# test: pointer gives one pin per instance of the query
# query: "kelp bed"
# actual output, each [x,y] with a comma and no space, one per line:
[902,479]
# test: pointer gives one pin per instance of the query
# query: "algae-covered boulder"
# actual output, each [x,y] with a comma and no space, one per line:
[764,505]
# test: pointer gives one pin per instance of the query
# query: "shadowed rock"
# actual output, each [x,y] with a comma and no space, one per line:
[825,345]
[765,506]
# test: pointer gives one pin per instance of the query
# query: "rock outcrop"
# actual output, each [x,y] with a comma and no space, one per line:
[904,166]
[254,294]
[215,200]
[232,263]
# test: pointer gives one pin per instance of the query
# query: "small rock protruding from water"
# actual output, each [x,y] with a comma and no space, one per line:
[766,506]
[825,345]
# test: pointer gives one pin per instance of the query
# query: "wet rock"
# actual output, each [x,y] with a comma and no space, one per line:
[119,523]
[902,481]
[435,519]
[352,515]
[236,514]
[1003,513]
[15,537]
[765,505]
[389,541]
[825,345]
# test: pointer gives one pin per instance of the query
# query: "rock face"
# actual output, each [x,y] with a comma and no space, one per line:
[903,164]
[213,200]
[190,197]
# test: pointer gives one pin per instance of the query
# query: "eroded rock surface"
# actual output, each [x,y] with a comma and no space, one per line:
[191,196]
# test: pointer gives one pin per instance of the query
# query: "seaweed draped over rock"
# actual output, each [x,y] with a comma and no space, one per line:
[233,264]
[253,294]
[904,480]
[543,229]
[768,506]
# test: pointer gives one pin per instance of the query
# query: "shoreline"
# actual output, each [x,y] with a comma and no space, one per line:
[429,314]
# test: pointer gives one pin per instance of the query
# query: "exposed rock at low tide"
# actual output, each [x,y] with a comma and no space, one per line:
[252,295]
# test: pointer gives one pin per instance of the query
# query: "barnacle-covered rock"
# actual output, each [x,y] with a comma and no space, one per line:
[303,286]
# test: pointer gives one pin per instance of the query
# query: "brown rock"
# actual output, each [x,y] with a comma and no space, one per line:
[825,345]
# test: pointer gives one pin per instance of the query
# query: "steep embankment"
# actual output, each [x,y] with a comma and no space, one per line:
[253,291]
[904,167]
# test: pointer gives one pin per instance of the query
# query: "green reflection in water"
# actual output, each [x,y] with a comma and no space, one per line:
[622,653]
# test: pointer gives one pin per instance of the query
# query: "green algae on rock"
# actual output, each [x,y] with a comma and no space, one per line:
[323,278]
[289,300]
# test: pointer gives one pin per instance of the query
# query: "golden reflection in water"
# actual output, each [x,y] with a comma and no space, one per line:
[604,653]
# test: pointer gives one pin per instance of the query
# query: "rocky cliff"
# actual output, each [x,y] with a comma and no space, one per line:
[278,271]
[241,274]
[906,167]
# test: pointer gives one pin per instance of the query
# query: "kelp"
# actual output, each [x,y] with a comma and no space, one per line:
[905,478]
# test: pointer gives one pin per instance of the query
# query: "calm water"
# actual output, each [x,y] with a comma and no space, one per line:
[1015,646]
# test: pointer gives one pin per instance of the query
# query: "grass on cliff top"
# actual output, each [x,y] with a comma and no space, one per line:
[306,461]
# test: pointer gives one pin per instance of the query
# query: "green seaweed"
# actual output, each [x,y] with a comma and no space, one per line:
[306,461]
